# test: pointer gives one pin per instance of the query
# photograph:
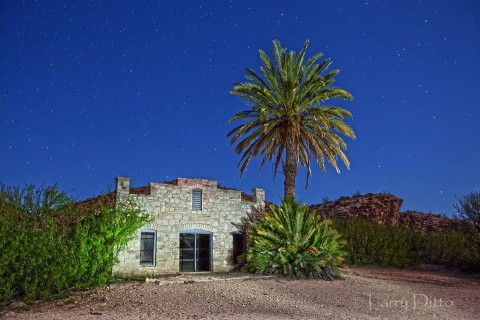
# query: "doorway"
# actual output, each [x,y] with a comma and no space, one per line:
[195,251]
[239,246]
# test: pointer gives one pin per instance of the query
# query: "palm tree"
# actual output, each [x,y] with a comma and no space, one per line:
[287,122]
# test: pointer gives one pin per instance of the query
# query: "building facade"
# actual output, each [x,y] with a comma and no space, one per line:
[192,228]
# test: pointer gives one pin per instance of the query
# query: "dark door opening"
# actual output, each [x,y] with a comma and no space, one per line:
[239,246]
[195,252]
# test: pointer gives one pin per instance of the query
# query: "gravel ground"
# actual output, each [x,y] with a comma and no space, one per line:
[364,293]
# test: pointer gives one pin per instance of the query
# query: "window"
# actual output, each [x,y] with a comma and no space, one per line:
[147,248]
[197,199]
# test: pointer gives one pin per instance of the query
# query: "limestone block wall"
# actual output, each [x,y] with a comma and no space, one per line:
[170,204]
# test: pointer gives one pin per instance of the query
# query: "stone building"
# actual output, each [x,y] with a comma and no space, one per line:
[192,228]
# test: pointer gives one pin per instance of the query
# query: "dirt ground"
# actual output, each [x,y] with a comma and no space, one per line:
[364,293]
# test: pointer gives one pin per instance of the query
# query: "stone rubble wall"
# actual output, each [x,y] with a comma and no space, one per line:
[171,207]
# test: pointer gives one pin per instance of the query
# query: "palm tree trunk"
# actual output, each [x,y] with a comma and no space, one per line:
[290,173]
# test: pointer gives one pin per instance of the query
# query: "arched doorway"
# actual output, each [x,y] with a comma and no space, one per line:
[195,250]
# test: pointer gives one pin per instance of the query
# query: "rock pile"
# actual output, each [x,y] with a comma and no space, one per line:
[427,222]
[381,208]
[385,209]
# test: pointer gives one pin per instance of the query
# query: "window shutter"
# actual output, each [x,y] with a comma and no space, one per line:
[197,199]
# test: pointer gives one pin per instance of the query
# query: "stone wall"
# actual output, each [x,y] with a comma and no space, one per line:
[170,204]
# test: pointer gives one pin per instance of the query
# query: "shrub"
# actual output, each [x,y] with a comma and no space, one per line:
[369,243]
[454,249]
[292,241]
[50,245]
[468,207]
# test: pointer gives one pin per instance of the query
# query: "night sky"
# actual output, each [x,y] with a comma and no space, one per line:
[95,89]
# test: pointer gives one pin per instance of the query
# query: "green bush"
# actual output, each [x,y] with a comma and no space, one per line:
[369,243]
[454,249]
[50,245]
[292,241]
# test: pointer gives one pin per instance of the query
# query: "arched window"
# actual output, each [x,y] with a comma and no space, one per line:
[197,199]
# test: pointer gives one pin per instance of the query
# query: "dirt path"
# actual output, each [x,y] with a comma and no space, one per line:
[365,293]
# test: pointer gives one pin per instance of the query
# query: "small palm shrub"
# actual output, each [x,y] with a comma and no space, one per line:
[292,241]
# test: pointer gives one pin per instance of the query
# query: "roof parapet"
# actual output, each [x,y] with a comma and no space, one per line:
[258,196]
[122,185]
